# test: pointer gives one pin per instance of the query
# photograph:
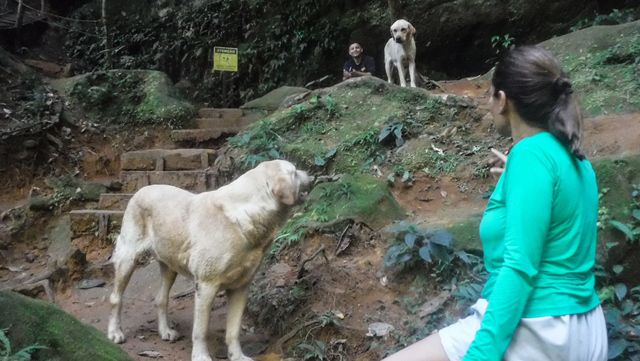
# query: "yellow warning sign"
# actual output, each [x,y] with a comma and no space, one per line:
[225,59]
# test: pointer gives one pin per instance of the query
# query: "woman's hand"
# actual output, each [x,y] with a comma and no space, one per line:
[498,161]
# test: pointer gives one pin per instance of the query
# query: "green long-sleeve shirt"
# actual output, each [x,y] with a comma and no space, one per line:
[539,239]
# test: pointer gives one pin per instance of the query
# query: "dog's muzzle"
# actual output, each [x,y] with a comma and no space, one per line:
[398,40]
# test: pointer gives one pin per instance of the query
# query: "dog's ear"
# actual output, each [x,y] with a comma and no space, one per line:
[285,190]
[412,30]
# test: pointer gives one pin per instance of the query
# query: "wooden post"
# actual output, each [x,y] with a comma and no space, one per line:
[106,34]
[19,23]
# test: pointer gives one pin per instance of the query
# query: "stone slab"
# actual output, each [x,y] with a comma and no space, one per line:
[95,222]
[195,180]
[114,201]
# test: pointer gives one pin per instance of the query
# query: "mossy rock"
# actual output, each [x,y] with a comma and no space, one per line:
[28,321]
[273,99]
[602,63]
[337,129]
[135,97]
[363,198]
[466,234]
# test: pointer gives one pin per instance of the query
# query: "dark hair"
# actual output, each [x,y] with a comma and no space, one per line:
[533,80]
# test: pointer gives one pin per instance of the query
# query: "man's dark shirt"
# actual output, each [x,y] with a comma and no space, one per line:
[367,65]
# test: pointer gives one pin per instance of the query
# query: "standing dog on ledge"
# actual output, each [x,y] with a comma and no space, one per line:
[400,52]
[217,237]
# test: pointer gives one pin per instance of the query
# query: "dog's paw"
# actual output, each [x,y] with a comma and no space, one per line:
[169,334]
[241,358]
[116,336]
[200,357]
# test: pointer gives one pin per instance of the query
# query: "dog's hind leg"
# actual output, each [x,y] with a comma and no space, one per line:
[412,73]
[124,267]
[237,303]
[162,301]
[205,293]
[388,67]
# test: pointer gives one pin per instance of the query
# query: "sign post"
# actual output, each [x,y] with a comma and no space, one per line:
[225,60]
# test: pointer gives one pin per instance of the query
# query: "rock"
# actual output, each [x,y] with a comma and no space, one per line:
[272,100]
[379,329]
[30,321]
[91,283]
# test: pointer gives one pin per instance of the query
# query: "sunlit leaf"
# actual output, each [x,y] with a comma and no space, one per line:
[624,228]
[621,290]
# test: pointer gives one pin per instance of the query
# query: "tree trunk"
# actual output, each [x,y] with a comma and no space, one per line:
[106,35]
[395,10]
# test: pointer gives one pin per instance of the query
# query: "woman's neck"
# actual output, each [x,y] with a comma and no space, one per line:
[520,129]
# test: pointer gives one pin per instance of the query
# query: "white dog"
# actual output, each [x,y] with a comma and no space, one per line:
[400,52]
[216,237]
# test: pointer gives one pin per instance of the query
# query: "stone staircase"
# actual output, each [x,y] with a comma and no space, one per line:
[187,168]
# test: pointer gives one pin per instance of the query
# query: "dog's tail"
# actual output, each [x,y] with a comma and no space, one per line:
[135,234]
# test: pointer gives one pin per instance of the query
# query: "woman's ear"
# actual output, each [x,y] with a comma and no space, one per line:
[502,103]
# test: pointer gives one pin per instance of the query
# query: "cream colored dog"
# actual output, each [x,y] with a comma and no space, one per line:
[400,52]
[216,237]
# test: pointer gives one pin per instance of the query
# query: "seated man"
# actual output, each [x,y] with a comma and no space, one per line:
[359,64]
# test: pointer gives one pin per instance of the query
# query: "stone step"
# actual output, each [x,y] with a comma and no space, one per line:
[114,201]
[193,180]
[236,124]
[167,159]
[96,222]
[199,135]
[220,113]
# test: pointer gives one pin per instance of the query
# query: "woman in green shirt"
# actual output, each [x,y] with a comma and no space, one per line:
[538,231]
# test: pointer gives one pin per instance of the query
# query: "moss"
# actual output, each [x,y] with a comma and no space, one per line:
[602,62]
[133,97]
[466,234]
[618,176]
[364,198]
[348,119]
[32,321]
[161,103]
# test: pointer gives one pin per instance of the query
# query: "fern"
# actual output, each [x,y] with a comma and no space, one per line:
[22,355]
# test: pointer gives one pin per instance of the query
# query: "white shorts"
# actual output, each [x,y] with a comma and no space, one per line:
[580,337]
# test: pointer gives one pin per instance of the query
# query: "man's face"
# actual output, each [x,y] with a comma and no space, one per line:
[355,50]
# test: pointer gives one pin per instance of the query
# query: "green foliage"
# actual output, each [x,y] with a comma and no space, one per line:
[130,97]
[501,43]
[362,198]
[414,245]
[616,16]
[314,350]
[607,80]
[630,229]
[179,41]
[6,353]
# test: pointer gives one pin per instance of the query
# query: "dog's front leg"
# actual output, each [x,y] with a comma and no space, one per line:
[412,73]
[205,293]
[403,81]
[388,67]
[237,303]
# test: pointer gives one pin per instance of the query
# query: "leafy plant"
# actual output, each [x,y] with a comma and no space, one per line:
[414,245]
[314,350]
[630,229]
[616,16]
[391,132]
[6,352]
[502,42]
